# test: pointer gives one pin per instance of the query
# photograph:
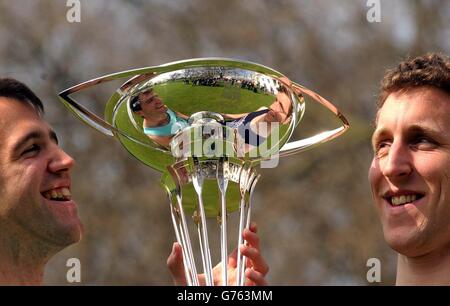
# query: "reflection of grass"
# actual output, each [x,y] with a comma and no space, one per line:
[188,99]
[211,198]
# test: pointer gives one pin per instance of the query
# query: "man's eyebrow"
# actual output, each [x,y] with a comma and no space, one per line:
[34,135]
[415,128]
[23,140]
[423,129]
[152,97]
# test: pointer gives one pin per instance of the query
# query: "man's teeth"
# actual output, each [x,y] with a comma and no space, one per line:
[403,199]
[58,194]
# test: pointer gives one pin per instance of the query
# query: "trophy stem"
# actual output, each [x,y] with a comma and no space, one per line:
[222,171]
[181,241]
[240,241]
[189,259]
[202,251]
[242,187]
[253,182]
[197,181]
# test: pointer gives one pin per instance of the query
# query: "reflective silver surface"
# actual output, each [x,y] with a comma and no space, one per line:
[242,97]
[205,124]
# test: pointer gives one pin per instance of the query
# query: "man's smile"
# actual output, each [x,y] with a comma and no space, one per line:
[58,194]
[402,197]
[58,191]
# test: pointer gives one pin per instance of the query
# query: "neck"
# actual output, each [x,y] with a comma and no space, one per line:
[156,120]
[22,258]
[429,269]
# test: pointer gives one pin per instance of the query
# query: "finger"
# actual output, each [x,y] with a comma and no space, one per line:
[259,264]
[252,238]
[255,278]
[176,266]
[172,260]
[253,227]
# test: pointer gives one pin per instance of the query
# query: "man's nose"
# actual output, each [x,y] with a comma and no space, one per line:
[60,161]
[398,163]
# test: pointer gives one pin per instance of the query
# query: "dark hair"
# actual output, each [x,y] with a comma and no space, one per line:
[13,89]
[135,105]
[431,69]
[135,102]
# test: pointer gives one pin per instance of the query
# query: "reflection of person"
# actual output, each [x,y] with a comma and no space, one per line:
[255,272]
[38,218]
[160,123]
[410,171]
[280,110]
[256,126]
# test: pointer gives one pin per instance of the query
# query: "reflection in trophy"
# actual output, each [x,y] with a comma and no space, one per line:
[206,124]
[159,122]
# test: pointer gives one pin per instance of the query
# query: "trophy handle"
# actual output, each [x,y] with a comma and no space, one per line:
[90,118]
[310,142]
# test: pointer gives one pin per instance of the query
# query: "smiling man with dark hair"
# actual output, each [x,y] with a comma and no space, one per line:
[38,218]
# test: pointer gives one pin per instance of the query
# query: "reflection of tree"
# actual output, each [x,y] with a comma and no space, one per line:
[327,232]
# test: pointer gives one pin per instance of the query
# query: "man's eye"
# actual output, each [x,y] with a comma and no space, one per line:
[423,140]
[381,148]
[31,149]
[424,143]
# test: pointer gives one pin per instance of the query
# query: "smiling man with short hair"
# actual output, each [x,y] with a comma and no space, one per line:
[410,171]
[38,218]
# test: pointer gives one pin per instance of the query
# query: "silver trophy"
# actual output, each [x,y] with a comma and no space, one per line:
[206,124]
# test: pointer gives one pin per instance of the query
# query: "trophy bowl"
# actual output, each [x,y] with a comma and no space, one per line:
[206,124]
